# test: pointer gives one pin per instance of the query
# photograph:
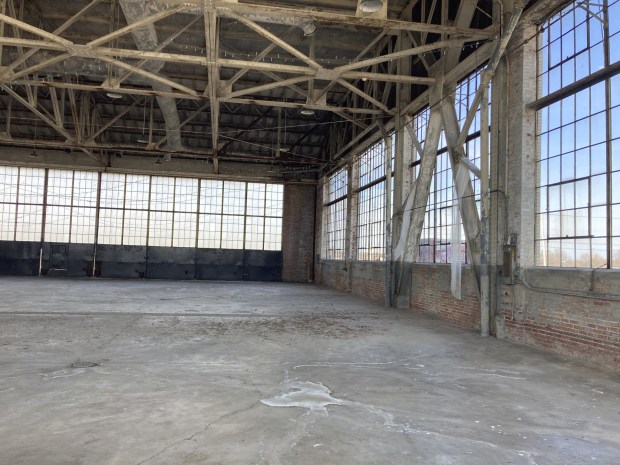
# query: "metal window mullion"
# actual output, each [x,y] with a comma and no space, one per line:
[124,208]
[608,128]
[19,170]
[245,212]
[148,214]
[223,183]
[174,209]
[197,234]
[71,204]
[97,215]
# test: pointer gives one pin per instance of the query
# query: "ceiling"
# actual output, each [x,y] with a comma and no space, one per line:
[278,82]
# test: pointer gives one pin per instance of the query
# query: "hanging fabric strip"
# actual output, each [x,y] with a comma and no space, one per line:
[455,246]
[461,179]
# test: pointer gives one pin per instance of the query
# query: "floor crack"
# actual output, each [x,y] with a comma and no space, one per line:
[201,431]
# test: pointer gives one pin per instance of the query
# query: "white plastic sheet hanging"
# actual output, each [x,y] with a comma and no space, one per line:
[455,243]
[461,179]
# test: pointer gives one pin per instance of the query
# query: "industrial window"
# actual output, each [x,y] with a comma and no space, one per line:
[578,136]
[138,210]
[21,203]
[335,220]
[239,215]
[371,202]
[435,240]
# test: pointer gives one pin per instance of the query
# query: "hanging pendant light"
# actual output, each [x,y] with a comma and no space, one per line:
[370,6]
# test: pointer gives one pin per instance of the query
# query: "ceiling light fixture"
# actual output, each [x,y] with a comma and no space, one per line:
[34,153]
[370,6]
[114,95]
[309,28]
[167,157]
[142,141]
[158,161]
[307,111]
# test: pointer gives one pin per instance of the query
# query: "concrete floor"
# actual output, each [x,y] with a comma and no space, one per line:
[248,373]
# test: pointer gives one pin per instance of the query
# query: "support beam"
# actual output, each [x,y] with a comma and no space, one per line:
[136,25]
[33,109]
[276,40]
[268,13]
[212,45]
[67,24]
[423,181]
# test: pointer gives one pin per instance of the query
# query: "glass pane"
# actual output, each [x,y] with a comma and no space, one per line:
[31,185]
[59,187]
[85,185]
[184,229]
[83,225]
[274,199]
[232,232]
[7,221]
[112,190]
[135,227]
[599,221]
[234,198]
[568,223]
[582,227]
[137,191]
[29,222]
[273,233]
[57,223]
[210,232]
[160,229]
[211,196]
[186,195]
[255,200]
[568,253]
[162,193]
[110,227]
[254,233]
[598,194]
[8,183]
[583,257]
[599,253]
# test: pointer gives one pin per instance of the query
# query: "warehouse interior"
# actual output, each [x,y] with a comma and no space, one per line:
[356,231]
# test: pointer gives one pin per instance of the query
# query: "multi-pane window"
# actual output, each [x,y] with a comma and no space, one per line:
[371,203]
[335,207]
[21,203]
[138,210]
[578,136]
[436,238]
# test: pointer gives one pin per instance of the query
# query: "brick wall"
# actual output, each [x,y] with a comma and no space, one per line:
[585,328]
[298,233]
[333,274]
[430,290]
[431,295]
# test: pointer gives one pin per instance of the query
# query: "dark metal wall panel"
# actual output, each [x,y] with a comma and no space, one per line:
[171,263]
[80,260]
[19,258]
[115,261]
[262,265]
[121,261]
[216,264]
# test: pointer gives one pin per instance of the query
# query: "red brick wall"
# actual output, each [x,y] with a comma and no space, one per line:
[364,279]
[431,295]
[430,292]
[298,233]
[368,280]
[585,328]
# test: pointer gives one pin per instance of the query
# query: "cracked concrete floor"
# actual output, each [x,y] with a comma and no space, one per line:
[248,373]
